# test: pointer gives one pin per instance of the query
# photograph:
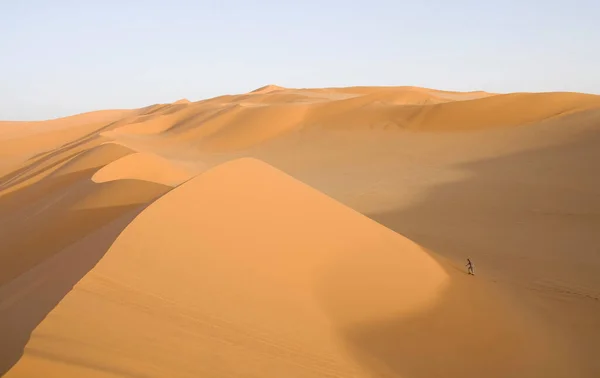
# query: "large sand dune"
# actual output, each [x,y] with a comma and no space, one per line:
[213,263]
[289,295]
[268,113]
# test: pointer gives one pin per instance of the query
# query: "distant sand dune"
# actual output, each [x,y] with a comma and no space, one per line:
[415,95]
[269,114]
[495,111]
[20,128]
[25,138]
[268,88]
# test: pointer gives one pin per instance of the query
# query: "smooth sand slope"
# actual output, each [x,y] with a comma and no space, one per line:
[145,167]
[55,223]
[22,140]
[212,265]
[294,293]
[263,303]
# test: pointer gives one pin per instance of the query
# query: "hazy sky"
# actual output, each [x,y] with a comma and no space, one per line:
[60,57]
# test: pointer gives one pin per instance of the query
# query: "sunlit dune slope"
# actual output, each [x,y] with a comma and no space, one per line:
[268,88]
[495,111]
[237,122]
[242,270]
[24,139]
[246,271]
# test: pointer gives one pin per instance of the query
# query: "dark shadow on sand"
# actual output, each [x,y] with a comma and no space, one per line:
[515,216]
[466,334]
[26,300]
[59,249]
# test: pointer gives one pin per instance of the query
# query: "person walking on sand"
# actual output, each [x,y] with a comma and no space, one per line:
[470,267]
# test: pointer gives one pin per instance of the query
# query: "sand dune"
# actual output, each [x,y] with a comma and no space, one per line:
[233,127]
[46,235]
[268,290]
[40,220]
[213,264]
[86,156]
[268,88]
[95,157]
[415,95]
[146,167]
[494,111]
[25,301]
[23,139]
[268,113]
[182,101]
[14,129]
[56,193]
[147,125]
[276,300]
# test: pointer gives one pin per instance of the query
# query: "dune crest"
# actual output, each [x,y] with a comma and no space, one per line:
[266,290]
[182,101]
[146,167]
[267,89]
[95,157]
[238,122]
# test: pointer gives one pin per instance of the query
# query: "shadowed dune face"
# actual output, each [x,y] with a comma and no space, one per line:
[220,266]
[52,233]
[27,300]
[472,331]
[55,225]
[544,241]
[41,219]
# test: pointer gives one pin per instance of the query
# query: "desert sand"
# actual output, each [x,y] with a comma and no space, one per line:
[313,232]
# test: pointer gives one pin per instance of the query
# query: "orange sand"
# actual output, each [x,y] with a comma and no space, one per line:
[231,237]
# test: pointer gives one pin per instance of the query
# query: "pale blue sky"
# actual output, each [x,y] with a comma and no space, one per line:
[60,57]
